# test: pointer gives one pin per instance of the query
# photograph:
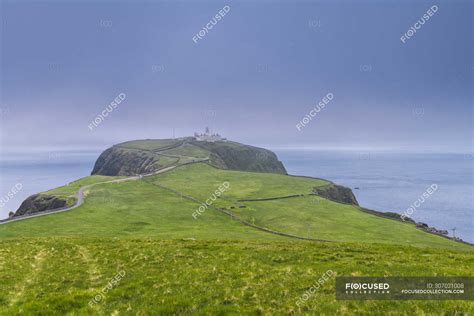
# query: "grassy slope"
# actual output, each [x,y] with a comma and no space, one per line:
[71,189]
[133,209]
[139,208]
[188,153]
[149,144]
[58,276]
[164,152]
[200,180]
[159,161]
[224,155]
[230,268]
[308,216]
[315,217]
[188,150]
[236,156]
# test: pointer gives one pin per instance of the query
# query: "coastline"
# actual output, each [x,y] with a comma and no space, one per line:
[62,173]
[391,182]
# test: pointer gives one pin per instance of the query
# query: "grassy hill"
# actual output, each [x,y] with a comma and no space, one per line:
[147,156]
[147,207]
[227,260]
[304,215]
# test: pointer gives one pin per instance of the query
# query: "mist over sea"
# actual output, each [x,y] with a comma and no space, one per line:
[386,181]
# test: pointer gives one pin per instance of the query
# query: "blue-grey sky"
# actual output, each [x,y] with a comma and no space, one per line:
[252,77]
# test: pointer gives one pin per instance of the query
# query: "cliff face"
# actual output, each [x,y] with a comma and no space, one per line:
[39,203]
[337,193]
[235,156]
[117,161]
[135,159]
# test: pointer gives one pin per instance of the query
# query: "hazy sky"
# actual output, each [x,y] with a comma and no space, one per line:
[252,77]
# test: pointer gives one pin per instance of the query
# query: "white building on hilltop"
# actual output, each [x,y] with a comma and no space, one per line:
[207,136]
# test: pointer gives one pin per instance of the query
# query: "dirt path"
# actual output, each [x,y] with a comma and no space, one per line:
[80,196]
[80,200]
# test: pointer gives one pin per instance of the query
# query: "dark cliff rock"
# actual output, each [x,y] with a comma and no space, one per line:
[40,203]
[433,230]
[121,161]
[337,193]
[117,161]
[236,156]
[390,215]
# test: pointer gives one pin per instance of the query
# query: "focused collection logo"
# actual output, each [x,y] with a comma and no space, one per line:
[404,288]
[368,287]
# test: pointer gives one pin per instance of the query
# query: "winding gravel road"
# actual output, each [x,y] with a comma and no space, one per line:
[80,196]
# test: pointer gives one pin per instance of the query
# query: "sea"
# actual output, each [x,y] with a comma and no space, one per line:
[382,181]
[387,181]
[38,172]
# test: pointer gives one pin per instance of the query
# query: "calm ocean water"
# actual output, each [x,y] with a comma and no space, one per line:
[386,181]
[394,181]
[40,172]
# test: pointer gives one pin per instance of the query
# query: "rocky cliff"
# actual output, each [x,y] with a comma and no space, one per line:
[40,203]
[145,156]
[236,156]
[117,161]
[337,193]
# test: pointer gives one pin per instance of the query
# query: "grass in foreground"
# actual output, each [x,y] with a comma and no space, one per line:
[58,276]
[175,264]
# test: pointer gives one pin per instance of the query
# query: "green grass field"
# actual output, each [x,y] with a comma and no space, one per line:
[306,216]
[315,217]
[200,180]
[132,209]
[175,264]
[60,276]
[71,189]
[149,144]
[188,150]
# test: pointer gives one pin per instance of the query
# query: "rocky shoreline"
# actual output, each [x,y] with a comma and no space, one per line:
[420,225]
